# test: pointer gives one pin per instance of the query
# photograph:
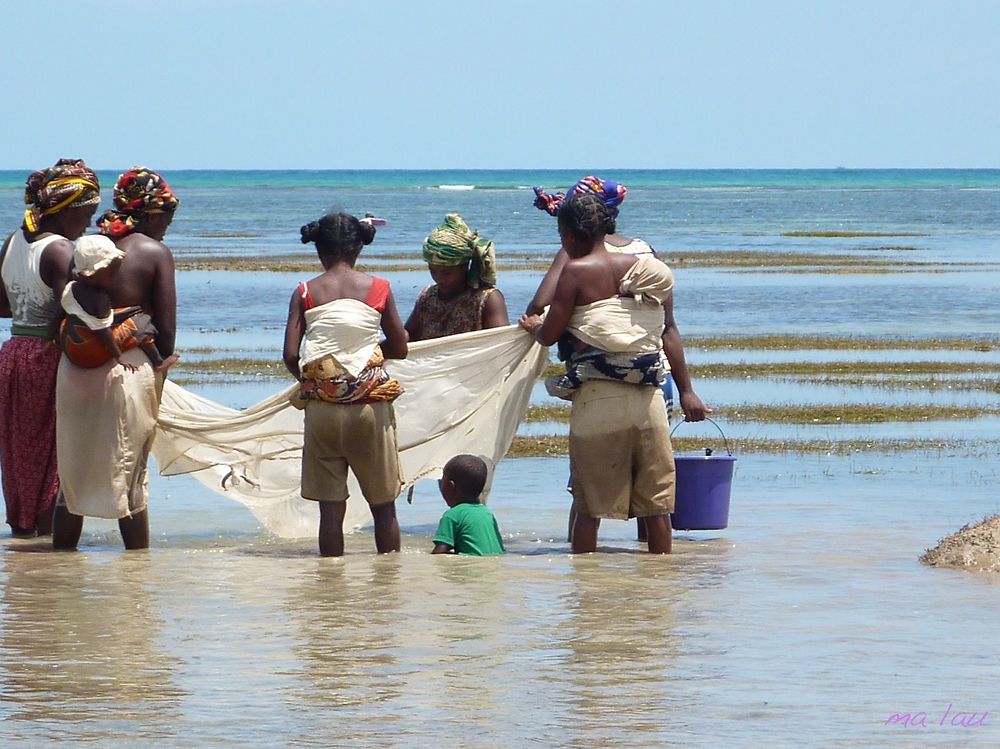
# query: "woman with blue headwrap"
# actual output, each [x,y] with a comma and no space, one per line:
[463,297]
[612,194]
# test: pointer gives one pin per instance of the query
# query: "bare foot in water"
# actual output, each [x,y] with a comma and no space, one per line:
[167,363]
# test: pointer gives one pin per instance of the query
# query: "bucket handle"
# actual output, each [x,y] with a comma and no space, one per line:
[713,422]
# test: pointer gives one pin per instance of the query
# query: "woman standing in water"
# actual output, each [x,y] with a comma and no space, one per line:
[107,414]
[619,439]
[332,347]
[36,260]
[612,194]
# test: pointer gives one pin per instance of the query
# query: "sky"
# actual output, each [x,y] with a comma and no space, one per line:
[381,84]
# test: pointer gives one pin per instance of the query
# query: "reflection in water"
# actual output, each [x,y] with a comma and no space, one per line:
[622,646]
[346,619]
[79,647]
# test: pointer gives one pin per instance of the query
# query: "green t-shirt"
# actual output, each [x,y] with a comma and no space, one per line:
[470,529]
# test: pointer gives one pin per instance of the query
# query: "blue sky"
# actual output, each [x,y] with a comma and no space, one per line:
[205,84]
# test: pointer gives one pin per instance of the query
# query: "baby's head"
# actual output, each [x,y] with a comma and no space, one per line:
[96,259]
[463,479]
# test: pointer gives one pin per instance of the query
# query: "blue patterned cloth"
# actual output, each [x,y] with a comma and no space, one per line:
[595,364]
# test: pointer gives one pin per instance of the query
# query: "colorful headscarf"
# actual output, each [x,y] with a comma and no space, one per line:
[607,190]
[68,184]
[138,192]
[453,243]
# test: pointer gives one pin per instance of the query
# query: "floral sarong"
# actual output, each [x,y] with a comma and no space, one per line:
[28,428]
[326,380]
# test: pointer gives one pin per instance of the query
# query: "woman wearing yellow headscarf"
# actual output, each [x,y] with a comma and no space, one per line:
[60,203]
[463,297]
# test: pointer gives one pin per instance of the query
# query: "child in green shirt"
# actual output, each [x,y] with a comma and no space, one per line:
[468,527]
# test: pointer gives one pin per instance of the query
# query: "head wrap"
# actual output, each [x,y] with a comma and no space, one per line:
[453,243]
[93,252]
[607,190]
[68,184]
[138,193]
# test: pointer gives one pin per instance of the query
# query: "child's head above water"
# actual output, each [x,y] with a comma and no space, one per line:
[458,257]
[96,258]
[463,479]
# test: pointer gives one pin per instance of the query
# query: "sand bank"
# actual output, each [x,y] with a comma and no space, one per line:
[973,547]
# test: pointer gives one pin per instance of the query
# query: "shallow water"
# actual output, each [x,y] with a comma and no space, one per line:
[789,627]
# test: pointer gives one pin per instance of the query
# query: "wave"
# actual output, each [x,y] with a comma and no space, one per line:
[727,188]
[495,188]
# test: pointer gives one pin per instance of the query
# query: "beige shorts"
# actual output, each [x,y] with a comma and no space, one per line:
[619,451]
[361,437]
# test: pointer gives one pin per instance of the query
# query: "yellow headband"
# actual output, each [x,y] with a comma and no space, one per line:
[84,184]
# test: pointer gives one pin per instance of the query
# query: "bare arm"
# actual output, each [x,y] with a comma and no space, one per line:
[440,548]
[394,345]
[547,288]
[495,311]
[295,329]
[691,404]
[105,337]
[56,265]
[560,310]
[55,270]
[413,322]
[164,301]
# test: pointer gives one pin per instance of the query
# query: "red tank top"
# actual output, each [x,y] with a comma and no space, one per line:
[376,298]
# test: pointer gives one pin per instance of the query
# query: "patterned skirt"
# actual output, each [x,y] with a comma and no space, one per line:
[28,428]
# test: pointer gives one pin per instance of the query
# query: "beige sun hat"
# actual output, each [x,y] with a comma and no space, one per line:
[93,252]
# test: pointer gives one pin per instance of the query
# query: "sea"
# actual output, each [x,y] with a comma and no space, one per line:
[807,622]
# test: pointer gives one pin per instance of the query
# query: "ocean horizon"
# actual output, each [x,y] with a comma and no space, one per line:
[519,178]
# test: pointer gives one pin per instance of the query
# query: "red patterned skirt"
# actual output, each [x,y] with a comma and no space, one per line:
[28,428]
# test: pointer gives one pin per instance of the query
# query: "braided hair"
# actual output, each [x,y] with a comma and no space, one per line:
[586,217]
[338,235]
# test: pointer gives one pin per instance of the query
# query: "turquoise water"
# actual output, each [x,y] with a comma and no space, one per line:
[807,622]
[514,178]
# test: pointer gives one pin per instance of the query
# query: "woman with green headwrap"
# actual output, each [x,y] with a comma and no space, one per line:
[463,297]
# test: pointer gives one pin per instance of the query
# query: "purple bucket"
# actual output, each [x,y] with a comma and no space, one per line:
[704,484]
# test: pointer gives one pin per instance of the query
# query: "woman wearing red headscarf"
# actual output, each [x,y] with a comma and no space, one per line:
[107,414]
[61,201]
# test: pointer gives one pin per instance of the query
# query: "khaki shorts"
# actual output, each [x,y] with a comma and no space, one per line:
[361,437]
[619,451]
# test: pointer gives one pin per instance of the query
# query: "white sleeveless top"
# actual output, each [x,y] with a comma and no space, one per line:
[31,301]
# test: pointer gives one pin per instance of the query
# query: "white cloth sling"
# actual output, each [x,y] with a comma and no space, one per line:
[347,329]
[633,322]
[464,394]
[105,425]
